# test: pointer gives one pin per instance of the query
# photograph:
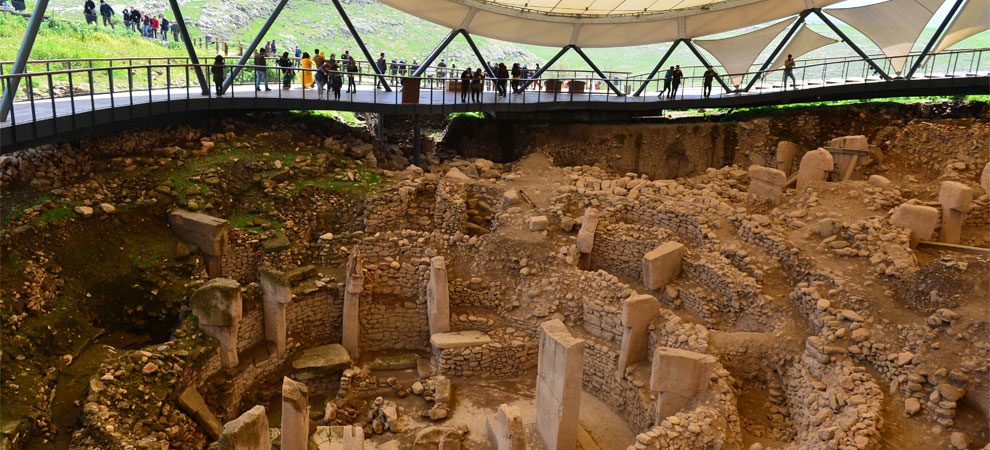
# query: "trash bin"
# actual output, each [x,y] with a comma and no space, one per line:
[553,85]
[576,87]
[410,90]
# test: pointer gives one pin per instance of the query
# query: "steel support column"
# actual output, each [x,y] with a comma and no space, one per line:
[599,72]
[657,68]
[254,44]
[481,59]
[436,52]
[776,51]
[704,62]
[546,66]
[189,47]
[22,57]
[935,38]
[851,44]
[360,43]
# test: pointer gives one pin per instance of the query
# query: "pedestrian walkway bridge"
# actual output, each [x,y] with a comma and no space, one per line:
[89,95]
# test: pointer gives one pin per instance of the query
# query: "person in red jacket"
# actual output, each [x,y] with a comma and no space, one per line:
[154,27]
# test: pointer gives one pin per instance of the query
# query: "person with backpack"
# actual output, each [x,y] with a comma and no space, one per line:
[163,23]
[352,70]
[260,70]
[336,82]
[217,70]
[466,79]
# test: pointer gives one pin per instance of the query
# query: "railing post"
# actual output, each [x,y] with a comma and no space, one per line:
[22,57]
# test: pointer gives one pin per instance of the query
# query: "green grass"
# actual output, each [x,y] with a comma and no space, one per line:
[774,109]
[245,221]
[366,181]
[473,115]
[346,117]
[61,212]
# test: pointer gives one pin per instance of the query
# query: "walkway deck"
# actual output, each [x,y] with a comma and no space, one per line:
[32,122]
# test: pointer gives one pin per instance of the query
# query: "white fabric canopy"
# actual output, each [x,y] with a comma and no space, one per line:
[737,54]
[972,18]
[893,25]
[803,42]
[601,23]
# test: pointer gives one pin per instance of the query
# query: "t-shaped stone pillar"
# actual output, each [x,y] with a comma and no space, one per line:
[247,432]
[506,428]
[786,151]
[919,219]
[438,296]
[217,306]
[207,232]
[662,264]
[637,313]
[558,385]
[955,198]
[766,183]
[586,236]
[295,415]
[276,293]
[679,375]
[815,166]
[353,287]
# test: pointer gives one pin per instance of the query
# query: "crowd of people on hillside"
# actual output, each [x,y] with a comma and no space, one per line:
[149,25]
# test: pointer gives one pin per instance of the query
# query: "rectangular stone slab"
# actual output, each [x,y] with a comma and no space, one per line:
[662,264]
[328,358]
[207,232]
[560,369]
[682,372]
[457,339]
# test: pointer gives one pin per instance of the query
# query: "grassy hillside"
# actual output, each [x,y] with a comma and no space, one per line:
[315,24]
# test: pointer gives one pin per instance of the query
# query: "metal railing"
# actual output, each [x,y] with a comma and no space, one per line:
[61,93]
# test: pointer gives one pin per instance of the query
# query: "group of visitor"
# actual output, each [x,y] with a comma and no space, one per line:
[149,25]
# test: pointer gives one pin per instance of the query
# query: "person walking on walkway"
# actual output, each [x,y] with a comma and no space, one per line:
[789,72]
[260,70]
[466,77]
[217,70]
[307,75]
[709,77]
[352,70]
[516,74]
[442,70]
[675,82]
[164,24]
[503,79]
[667,76]
[322,78]
[382,65]
[287,73]
[336,82]
[477,82]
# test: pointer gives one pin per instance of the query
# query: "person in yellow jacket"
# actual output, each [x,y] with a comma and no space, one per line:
[307,66]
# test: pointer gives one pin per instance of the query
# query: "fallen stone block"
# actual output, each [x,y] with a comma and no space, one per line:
[321,361]
[879,181]
[766,183]
[457,339]
[193,404]
[538,223]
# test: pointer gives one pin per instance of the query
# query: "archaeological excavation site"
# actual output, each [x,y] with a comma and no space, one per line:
[803,278]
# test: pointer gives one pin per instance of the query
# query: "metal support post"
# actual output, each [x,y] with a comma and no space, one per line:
[416,139]
[536,76]
[851,44]
[704,62]
[360,43]
[436,52]
[22,57]
[599,72]
[657,68]
[481,60]
[189,47]
[253,45]
[776,51]
[935,38]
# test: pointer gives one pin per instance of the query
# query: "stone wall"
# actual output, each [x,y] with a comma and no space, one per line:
[450,211]
[507,356]
[630,402]
[406,206]
[619,248]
